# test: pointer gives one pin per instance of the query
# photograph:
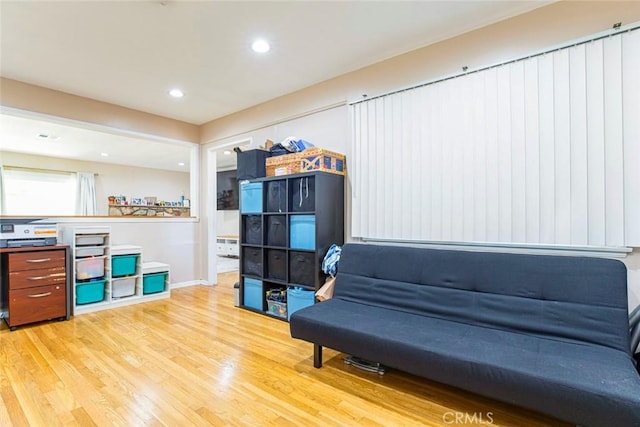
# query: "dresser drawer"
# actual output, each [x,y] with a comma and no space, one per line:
[36,260]
[40,277]
[37,304]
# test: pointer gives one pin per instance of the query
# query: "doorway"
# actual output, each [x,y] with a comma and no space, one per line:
[224,221]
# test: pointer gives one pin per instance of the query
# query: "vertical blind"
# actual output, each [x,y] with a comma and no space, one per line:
[543,150]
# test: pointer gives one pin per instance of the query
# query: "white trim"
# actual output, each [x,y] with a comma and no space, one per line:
[194,182]
[110,219]
[188,283]
[212,226]
[212,208]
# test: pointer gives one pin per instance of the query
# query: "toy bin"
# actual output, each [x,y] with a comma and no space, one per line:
[252,261]
[277,308]
[298,298]
[303,232]
[276,264]
[277,302]
[253,293]
[121,288]
[123,265]
[153,283]
[90,292]
[276,195]
[90,239]
[89,251]
[276,230]
[252,229]
[251,197]
[89,268]
[302,268]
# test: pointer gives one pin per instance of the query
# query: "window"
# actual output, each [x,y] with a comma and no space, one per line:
[38,192]
[541,151]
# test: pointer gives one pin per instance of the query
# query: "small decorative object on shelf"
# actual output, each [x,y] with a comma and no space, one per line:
[148,211]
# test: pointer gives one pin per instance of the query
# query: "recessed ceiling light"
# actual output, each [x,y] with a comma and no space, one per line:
[181,164]
[176,93]
[260,46]
[226,152]
[104,154]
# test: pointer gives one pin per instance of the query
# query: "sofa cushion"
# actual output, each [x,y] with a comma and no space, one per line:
[573,298]
[586,384]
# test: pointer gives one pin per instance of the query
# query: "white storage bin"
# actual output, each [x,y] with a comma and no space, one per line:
[89,268]
[123,287]
[89,251]
[90,239]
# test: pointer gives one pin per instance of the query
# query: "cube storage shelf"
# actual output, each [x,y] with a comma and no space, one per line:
[107,276]
[287,224]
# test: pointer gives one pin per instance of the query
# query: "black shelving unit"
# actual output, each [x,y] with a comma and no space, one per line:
[287,224]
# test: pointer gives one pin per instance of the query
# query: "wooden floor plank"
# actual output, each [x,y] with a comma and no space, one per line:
[195,359]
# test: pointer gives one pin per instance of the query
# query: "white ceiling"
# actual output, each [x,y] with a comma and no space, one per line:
[46,138]
[131,53]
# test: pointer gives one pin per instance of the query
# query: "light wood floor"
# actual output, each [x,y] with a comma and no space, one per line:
[194,359]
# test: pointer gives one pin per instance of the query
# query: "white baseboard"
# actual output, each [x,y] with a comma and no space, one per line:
[188,283]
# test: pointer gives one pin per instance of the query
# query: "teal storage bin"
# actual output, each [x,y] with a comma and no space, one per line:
[298,298]
[90,292]
[251,197]
[302,232]
[123,265]
[153,283]
[253,293]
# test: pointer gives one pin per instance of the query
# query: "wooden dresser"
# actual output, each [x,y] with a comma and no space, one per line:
[35,284]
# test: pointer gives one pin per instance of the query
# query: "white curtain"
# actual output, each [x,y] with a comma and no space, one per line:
[2,199]
[86,195]
[543,150]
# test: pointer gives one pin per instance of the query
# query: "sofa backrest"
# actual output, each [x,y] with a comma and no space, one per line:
[570,298]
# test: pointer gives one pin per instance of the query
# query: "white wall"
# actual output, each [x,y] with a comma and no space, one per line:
[228,223]
[326,129]
[112,180]
[172,241]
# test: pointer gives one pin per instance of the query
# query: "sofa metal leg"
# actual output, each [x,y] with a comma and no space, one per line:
[317,356]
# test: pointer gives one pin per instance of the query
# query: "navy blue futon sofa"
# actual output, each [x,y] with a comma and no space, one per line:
[549,333]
